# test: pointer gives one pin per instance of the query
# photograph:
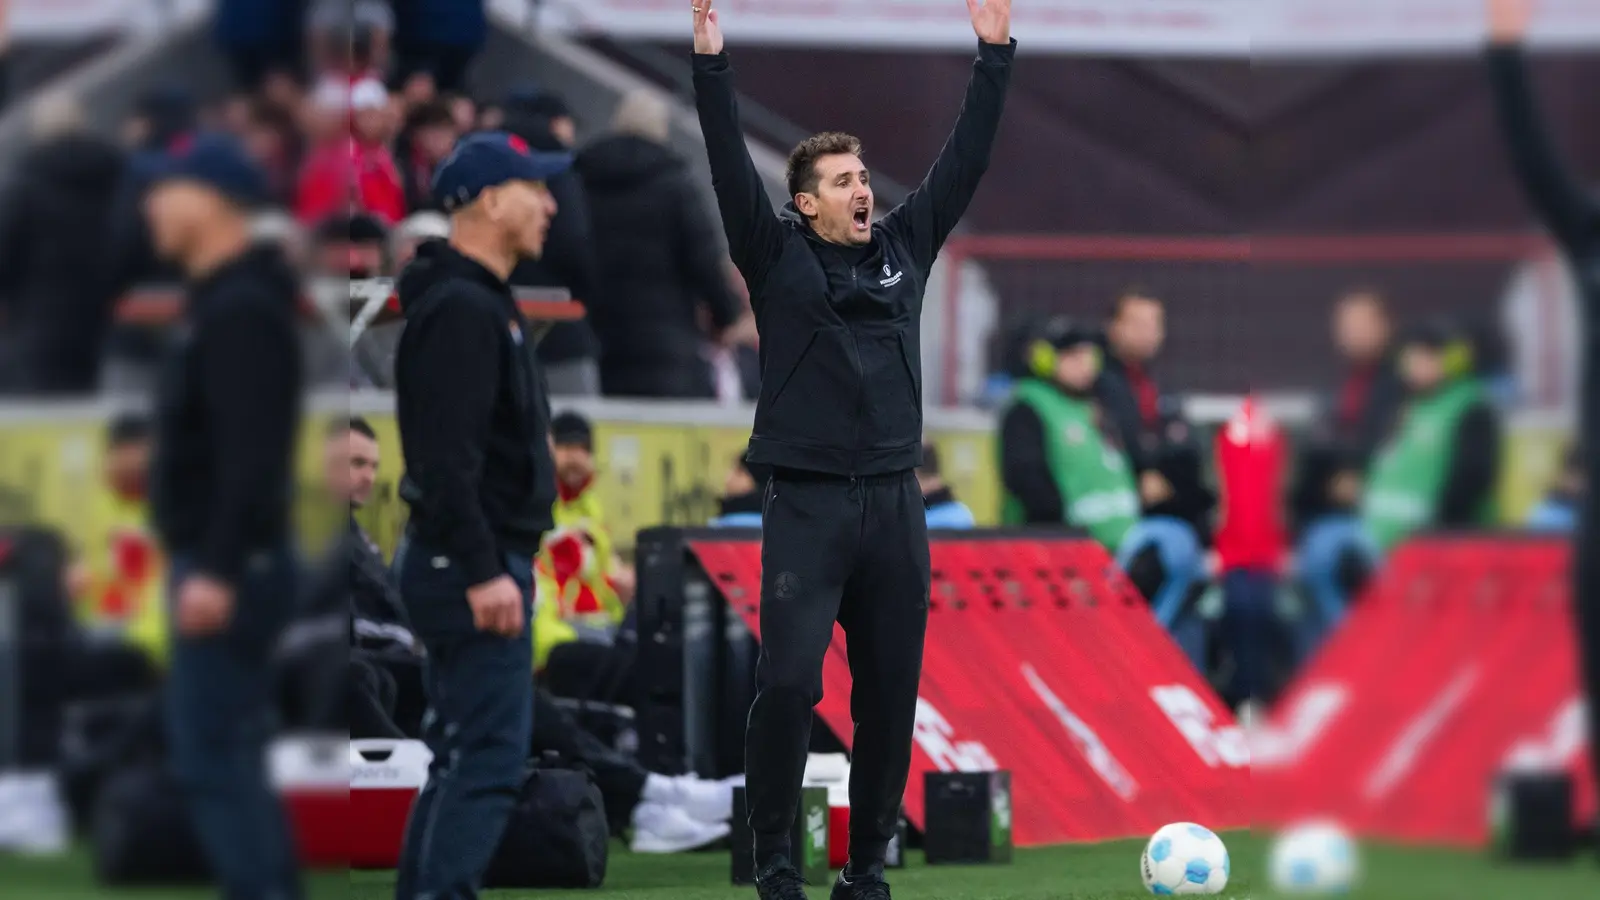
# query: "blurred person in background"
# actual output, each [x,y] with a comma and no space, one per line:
[353,167]
[1558,511]
[1165,453]
[741,501]
[1436,469]
[1062,463]
[117,587]
[568,352]
[58,285]
[1360,413]
[439,38]
[272,138]
[944,510]
[659,257]
[259,38]
[351,247]
[580,647]
[416,228]
[1570,210]
[426,139]
[227,416]
[352,36]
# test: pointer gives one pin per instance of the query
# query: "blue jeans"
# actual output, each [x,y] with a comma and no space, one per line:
[219,708]
[1326,543]
[1178,548]
[479,722]
[1250,630]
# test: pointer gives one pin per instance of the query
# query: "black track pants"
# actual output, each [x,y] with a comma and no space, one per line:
[853,551]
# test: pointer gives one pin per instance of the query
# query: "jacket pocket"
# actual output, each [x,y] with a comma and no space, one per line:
[789,373]
[894,416]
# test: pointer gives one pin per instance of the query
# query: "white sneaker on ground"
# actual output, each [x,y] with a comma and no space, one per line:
[33,819]
[706,801]
[658,828]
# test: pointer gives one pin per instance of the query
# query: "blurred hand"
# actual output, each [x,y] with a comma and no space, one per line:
[1154,488]
[622,580]
[742,332]
[991,20]
[205,606]
[1508,20]
[497,606]
[707,33]
[1345,488]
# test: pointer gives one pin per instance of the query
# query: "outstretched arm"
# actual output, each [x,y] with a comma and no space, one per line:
[1568,210]
[754,235]
[931,211]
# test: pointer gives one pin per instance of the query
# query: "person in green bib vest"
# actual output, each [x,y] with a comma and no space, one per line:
[1062,464]
[1436,470]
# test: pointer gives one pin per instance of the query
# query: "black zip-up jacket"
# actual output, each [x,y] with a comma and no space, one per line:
[841,346]
[227,414]
[473,414]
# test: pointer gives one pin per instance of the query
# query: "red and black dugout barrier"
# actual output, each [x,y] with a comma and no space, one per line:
[1041,659]
[1457,665]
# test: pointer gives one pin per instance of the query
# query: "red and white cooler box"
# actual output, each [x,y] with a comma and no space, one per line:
[312,775]
[385,777]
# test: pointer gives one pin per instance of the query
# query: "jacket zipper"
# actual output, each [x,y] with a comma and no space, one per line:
[855,351]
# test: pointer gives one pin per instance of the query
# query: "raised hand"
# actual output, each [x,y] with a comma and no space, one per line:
[991,20]
[1508,20]
[707,33]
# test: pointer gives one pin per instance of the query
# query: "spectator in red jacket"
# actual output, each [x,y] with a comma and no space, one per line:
[356,172]
[429,135]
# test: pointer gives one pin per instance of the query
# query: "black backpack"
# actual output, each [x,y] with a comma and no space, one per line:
[557,836]
[143,835]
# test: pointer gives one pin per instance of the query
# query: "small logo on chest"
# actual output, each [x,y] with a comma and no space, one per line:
[888,279]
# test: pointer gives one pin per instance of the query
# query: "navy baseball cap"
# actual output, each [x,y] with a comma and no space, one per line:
[487,159]
[219,162]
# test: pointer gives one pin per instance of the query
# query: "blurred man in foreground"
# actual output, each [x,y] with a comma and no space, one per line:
[837,300]
[479,480]
[1571,212]
[1436,470]
[227,414]
[1062,463]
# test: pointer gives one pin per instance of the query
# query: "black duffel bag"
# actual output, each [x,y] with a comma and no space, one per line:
[557,836]
[143,835]
[100,738]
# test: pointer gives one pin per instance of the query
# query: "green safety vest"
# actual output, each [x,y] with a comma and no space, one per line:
[1094,478]
[1408,474]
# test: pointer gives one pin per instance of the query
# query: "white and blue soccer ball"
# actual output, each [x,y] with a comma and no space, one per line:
[1185,858]
[1315,858]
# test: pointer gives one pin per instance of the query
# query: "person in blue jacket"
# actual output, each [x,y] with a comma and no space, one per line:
[740,504]
[944,510]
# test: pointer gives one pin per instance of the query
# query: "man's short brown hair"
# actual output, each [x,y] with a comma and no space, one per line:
[801,173]
[1133,293]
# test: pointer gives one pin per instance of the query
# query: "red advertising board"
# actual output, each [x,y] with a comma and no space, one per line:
[1043,660]
[1458,663]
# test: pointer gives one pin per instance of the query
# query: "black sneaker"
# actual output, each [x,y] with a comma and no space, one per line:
[780,881]
[867,886]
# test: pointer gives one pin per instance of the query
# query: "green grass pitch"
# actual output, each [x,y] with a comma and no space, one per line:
[1091,872]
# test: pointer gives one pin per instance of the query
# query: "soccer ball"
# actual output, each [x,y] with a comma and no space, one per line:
[1185,859]
[1314,858]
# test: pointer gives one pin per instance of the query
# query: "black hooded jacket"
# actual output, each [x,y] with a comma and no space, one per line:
[55,220]
[227,416]
[841,337]
[658,257]
[473,414]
